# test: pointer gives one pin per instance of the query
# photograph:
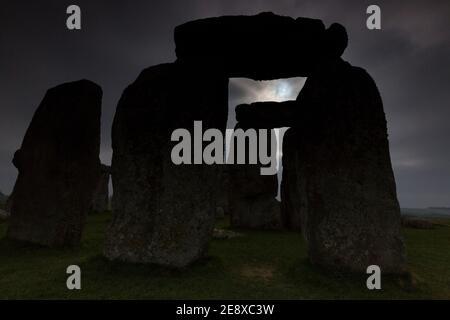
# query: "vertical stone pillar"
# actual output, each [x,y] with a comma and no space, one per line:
[350,214]
[252,200]
[164,213]
[59,166]
[290,195]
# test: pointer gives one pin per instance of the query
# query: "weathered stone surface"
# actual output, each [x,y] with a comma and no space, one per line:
[261,47]
[339,181]
[272,115]
[100,201]
[290,194]
[58,166]
[350,215]
[251,196]
[268,114]
[163,213]
[344,194]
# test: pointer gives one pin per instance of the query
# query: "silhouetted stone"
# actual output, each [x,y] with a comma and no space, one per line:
[260,47]
[350,215]
[271,115]
[58,166]
[163,213]
[100,201]
[268,114]
[290,194]
[339,183]
[251,196]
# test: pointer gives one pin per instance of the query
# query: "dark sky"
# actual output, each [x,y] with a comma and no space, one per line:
[409,59]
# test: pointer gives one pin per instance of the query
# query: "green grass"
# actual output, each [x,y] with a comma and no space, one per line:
[259,265]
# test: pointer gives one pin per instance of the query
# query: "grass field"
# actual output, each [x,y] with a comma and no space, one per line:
[258,265]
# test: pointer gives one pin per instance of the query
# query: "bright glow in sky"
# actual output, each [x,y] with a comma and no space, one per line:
[243,90]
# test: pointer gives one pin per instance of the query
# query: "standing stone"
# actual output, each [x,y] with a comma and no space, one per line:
[100,202]
[58,166]
[290,195]
[164,213]
[350,214]
[345,194]
[339,183]
[252,202]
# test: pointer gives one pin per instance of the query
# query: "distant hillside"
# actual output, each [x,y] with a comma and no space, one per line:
[428,212]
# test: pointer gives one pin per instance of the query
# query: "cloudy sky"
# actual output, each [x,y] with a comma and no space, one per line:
[409,59]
